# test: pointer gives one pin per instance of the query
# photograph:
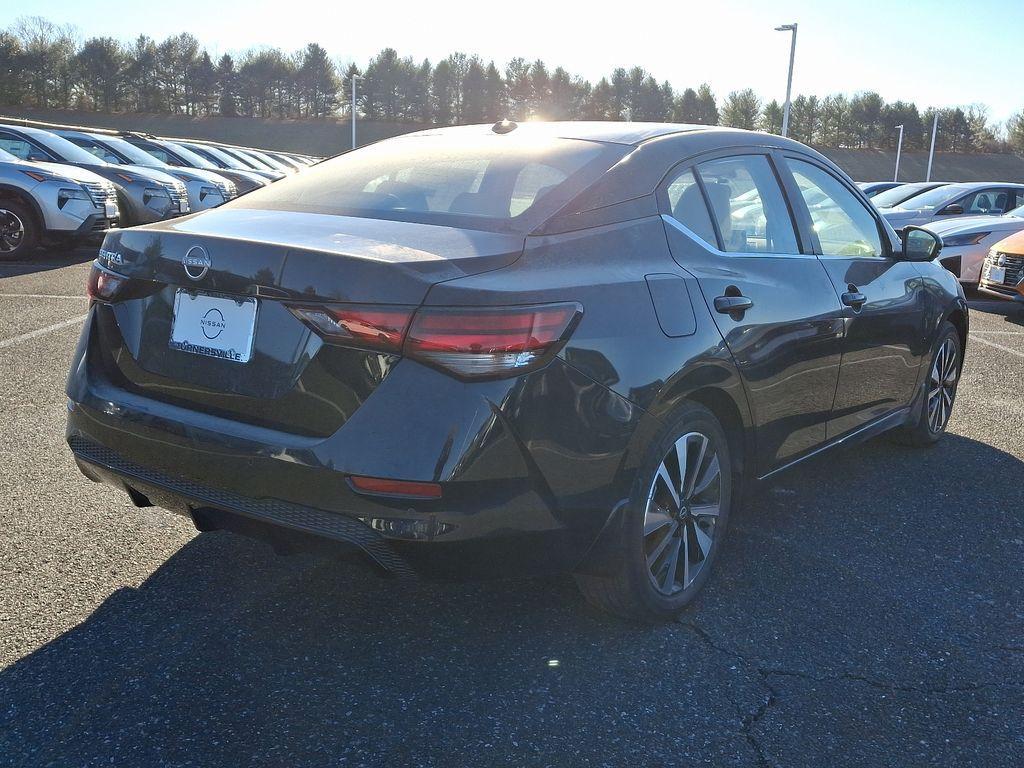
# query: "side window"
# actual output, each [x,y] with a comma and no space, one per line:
[986,201]
[95,149]
[844,226]
[686,205]
[20,148]
[158,153]
[748,205]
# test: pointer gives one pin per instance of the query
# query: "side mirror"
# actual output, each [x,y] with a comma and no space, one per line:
[35,157]
[920,244]
[953,209]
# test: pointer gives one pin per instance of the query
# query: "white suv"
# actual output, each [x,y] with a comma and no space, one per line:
[43,203]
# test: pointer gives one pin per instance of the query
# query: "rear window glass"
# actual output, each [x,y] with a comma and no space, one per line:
[499,183]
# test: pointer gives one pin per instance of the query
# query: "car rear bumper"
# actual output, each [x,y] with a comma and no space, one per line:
[531,468]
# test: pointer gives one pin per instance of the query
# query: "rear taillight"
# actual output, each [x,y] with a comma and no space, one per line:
[369,327]
[103,284]
[107,286]
[483,342]
[470,342]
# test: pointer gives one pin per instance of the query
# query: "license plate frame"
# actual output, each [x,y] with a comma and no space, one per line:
[211,325]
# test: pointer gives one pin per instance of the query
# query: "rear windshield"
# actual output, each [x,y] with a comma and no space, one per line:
[934,197]
[897,195]
[497,183]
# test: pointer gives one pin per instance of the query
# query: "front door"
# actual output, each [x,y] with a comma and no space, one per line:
[772,302]
[883,306]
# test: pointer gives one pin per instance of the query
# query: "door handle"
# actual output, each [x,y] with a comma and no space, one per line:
[729,304]
[854,299]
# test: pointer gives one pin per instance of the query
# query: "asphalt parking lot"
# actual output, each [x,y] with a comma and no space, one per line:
[869,610]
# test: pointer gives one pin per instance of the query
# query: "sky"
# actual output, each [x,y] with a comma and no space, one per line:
[934,52]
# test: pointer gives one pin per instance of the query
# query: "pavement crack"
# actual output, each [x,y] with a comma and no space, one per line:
[750,719]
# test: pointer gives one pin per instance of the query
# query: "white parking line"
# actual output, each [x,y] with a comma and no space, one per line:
[41,296]
[1016,352]
[1001,333]
[41,331]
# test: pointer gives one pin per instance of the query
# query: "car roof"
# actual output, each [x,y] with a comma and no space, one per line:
[26,130]
[969,186]
[65,132]
[629,133]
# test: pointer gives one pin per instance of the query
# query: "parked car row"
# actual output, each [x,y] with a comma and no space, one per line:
[973,219]
[61,186]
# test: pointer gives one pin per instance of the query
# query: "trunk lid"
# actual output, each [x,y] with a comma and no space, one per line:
[271,258]
[311,256]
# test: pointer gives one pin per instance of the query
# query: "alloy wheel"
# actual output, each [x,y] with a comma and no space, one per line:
[942,386]
[12,231]
[681,516]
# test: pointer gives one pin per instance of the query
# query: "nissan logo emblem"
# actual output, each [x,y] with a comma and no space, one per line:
[196,262]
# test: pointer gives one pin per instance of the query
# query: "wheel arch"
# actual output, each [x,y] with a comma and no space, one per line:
[958,317]
[10,192]
[726,410]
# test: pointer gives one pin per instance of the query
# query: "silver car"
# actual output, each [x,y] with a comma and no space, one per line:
[976,198]
[145,194]
[246,178]
[206,189]
[872,188]
[966,241]
[179,155]
[42,203]
[899,194]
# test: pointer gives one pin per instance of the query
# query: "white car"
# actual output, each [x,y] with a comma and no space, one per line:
[966,241]
[975,198]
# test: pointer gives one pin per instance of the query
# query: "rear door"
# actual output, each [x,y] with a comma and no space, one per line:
[771,298]
[883,307]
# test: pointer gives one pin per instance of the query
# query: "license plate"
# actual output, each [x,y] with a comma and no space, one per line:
[996,274]
[110,210]
[183,206]
[215,326]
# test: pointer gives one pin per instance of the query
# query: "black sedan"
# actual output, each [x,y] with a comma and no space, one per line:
[494,350]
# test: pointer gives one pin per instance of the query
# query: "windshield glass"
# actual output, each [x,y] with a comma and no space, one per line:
[131,152]
[897,195]
[189,156]
[274,164]
[254,161]
[71,153]
[492,182]
[225,159]
[249,163]
[934,197]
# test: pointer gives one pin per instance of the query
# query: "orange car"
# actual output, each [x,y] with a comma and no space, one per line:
[1002,274]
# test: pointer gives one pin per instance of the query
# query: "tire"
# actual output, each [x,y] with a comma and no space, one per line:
[659,535]
[940,387]
[19,232]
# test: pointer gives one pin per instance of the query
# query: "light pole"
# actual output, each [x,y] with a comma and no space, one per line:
[354,77]
[931,152]
[789,78]
[899,146]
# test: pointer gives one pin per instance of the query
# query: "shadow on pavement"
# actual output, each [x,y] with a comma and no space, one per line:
[46,261]
[880,562]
